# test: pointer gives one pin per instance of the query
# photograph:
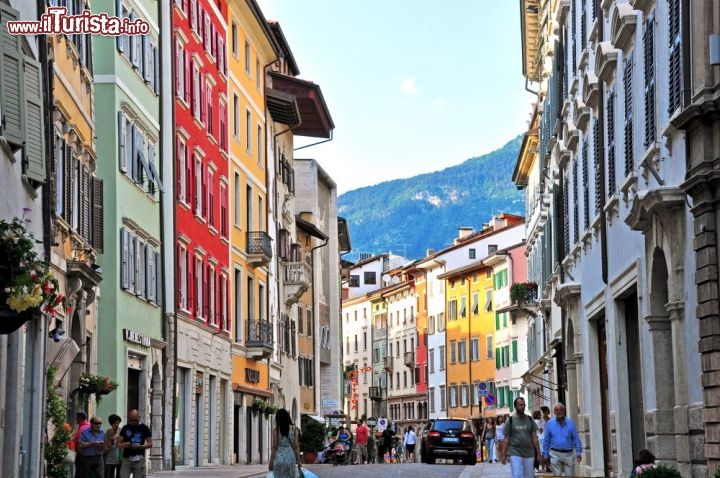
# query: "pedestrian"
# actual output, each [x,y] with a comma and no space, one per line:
[645,461]
[410,440]
[82,424]
[361,443]
[112,453]
[135,438]
[285,453]
[499,435]
[387,442]
[488,436]
[537,417]
[372,448]
[561,443]
[90,448]
[520,443]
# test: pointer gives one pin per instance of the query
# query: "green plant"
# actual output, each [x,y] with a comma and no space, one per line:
[313,436]
[27,280]
[661,471]
[56,448]
[523,292]
[91,384]
[717,473]
[258,406]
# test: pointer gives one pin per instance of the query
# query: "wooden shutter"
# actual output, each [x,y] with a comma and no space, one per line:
[628,80]
[12,91]
[156,70]
[34,122]
[190,262]
[120,39]
[140,270]
[514,351]
[97,214]
[131,263]
[147,58]
[122,154]
[188,77]
[498,357]
[158,279]
[124,258]
[150,273]
[649,67]
[69,159]
[585,185]
[85,203]
[610,112]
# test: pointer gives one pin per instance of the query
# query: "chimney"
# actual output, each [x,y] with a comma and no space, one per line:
[464,232]
[429,252]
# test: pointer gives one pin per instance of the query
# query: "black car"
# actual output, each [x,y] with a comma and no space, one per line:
[448,438]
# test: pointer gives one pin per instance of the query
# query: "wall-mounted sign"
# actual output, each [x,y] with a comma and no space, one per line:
[352,375]
[136,337]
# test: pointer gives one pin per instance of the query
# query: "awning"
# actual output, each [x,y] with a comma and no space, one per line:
[315,417]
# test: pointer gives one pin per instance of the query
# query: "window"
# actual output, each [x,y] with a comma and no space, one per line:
[236,200]
[492,248]
[431,360]
[365,341]
[462,351]
[452,309]
[453,351]
[223,211]
[431,399]
[182,272]
[471,253]
[431,325]
[464,395]
[475,302]
[236,115]
[259,145]
[441,353]
[247,57]
[356,343]
[488,300]
[514,345]
[463,306]
[199,290]
[474,349]
[489,346]
[441,321]
[196,93]
[234,34]
[258,72]
[211,198]
[181,170]
[180,70]
[248,129]
[453,396]
[354,280]
[370,277]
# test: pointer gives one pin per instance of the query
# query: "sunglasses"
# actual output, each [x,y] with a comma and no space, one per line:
[96,423]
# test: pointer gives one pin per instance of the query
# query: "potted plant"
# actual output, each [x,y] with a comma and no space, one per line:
[660,471]
[56,449]
[91,384]
[312,441]
[27,287]
[258,406]
[523,292]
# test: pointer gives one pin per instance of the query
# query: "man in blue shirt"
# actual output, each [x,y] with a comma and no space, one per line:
[91,448]
[561,445]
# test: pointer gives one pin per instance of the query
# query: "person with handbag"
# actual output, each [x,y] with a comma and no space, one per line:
[112,453]
[285,453]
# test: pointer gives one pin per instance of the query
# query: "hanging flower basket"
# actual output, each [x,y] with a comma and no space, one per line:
[258,406]
[91,384]
[27,287]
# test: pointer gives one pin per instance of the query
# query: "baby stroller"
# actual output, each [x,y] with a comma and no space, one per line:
[339,453]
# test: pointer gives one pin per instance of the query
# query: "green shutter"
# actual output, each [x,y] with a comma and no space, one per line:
[514,351]
[34,121]
[11,92]
[497,357]
[504,316]
[497,321]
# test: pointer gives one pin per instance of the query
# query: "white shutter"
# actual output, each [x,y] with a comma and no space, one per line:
[34,121]
[120,38]
[158,279]
[156,71]
[131,263]
[12,91]
[121,142]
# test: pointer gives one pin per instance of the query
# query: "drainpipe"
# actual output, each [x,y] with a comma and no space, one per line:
[315,144]
[312,287]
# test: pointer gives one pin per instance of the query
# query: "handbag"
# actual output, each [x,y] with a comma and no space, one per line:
[270,474]
[69,457]
[305,473]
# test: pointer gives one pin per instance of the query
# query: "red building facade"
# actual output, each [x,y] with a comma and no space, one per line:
[201,162]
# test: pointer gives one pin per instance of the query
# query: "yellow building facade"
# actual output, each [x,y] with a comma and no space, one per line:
[250,50]
[469,339]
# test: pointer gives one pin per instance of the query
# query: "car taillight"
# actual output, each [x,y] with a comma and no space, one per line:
[433,434]
[467,435]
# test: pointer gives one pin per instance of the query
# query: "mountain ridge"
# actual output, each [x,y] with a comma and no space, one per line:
[407,216]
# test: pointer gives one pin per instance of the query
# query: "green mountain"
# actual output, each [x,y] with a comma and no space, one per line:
[409,216]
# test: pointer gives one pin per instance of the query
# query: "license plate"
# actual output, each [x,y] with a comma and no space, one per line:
[451,440]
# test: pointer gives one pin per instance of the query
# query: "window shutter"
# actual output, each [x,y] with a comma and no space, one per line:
[649,64]
[146,57]
[585,186]
[674,67]
[498,357]
[150,272]
[34,122]
[69,158]
[158,279]
[497,321]
[576,201]
[191,282]
[153,170]
[628,79]
[156,71]
[12,91]
[140,272]
[131,264]
[121,142]
[611,142]
[85,203]
[89,61]
[596,165]
[97,214]
[120,39]
[188,77]
[124,258]
[514,351]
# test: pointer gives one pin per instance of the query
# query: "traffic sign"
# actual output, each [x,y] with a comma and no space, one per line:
[371,422]
[482,389]
[489,399]
[382,424]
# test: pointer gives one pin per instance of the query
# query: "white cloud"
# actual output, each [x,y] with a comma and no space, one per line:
[409,86]
[440,104]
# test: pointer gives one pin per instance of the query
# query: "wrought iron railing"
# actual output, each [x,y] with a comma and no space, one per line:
[259,243]
[259,334]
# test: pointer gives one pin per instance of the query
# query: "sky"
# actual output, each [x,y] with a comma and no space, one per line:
[413,86]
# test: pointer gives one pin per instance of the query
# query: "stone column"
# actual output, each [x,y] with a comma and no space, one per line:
[660,422]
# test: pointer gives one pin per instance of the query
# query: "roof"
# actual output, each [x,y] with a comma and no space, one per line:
[315,119]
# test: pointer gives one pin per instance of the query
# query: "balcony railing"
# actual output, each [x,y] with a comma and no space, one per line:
[410,359]
[523,293]
[297,279]
[348,389]
[260,337]
[376,394]
[388,363]
[259,247]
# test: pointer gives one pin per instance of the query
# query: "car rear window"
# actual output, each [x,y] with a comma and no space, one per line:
[447,425]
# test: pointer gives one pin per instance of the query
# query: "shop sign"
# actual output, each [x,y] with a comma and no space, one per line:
[136,337]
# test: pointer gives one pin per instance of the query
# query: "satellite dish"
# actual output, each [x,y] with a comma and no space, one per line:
[386,278]
[395,280]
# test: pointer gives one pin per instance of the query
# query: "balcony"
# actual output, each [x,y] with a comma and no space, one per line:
[259,339]
[298,277]
[410,359]
[524,293]
[259,247]
[348,389]
[388,363]
[376,394]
